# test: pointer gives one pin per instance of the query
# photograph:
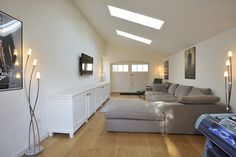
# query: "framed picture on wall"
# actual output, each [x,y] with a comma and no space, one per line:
[11,74]
[190,63]
[166,70]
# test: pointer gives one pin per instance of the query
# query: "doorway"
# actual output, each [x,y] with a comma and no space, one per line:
[129,76]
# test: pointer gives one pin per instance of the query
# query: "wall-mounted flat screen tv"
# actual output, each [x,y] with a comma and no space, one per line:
[85,64]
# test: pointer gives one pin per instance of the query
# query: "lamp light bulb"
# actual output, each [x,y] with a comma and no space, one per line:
[226,74]
[15,52]
[29,52]
[38,75]
[35,62]
[227,63]
[230,53]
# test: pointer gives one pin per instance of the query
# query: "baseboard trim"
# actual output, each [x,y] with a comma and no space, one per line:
[124,93]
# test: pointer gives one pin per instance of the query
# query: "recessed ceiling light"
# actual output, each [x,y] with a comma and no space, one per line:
[134,37]
[135,17]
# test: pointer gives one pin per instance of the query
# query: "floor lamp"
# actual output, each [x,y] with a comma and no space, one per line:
[35,148]
[228,75]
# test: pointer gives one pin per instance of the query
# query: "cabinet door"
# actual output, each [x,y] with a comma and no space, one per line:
[91,102]
[108,91]
[103,89]
[98,97]
[80,110]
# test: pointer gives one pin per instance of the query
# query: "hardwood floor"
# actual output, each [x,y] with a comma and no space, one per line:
[91,140]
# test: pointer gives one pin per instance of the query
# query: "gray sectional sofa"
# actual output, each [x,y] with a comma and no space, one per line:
[168,108]
[183,105]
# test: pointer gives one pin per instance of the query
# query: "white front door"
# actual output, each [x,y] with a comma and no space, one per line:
[128,82]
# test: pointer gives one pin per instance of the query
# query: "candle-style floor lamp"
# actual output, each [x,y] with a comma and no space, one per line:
[228,75]
[34,148]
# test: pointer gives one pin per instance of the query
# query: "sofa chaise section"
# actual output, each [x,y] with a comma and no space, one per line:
[134,116]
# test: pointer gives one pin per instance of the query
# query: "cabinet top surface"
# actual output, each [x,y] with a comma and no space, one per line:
[77,90]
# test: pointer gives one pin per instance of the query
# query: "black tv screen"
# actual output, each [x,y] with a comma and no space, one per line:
[86,64]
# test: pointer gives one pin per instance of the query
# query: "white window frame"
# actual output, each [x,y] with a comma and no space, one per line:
[139,67]
[123,68]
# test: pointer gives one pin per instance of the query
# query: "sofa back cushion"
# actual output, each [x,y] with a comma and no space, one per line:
[182,90]
[159,88]
[200,91]
[166,84]
[172,88]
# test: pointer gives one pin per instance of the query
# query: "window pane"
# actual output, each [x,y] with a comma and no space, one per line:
[89,67]
[140,67]
[120,68]
[114,68]
[145,68]
[134,68]
[125,68]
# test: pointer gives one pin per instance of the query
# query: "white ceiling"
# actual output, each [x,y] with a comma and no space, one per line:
[187,22]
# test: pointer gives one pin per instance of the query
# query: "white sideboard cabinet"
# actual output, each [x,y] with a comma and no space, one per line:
[68,110]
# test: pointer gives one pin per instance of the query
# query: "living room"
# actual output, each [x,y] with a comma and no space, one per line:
[58,31]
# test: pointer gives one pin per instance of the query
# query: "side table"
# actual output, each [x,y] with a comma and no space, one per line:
[140,93]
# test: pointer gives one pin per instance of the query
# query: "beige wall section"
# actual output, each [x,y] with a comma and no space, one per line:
[210,64]
[117,54]
[57,32]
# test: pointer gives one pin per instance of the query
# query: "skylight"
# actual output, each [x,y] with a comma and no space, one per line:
[135,17]
[134,37]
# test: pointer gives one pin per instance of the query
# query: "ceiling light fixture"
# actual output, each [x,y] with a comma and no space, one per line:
[135,17]
[134,37]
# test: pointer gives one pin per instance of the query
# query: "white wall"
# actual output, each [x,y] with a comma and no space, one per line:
[116,53]
[57,33]
[210,64]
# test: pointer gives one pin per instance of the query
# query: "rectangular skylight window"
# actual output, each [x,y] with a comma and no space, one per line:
[134,37]
[135,17]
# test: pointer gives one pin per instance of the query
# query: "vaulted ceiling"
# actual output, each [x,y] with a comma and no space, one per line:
[187,22]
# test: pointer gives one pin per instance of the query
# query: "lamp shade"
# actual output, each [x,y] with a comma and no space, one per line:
[226,74]
[227,63]
[230,53]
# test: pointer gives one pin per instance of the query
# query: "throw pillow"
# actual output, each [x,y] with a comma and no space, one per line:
[166,84]
[159,88]
[199,99]
[182,90]
[171,89]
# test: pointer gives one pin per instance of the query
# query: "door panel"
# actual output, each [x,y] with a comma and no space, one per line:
[138,81]
[120,82]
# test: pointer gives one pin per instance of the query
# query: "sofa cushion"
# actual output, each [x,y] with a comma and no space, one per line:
[166,84]
[199,99]
[159,88]
[200,91]
[133,109]
[182,90]
[171,89]
[167,98]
